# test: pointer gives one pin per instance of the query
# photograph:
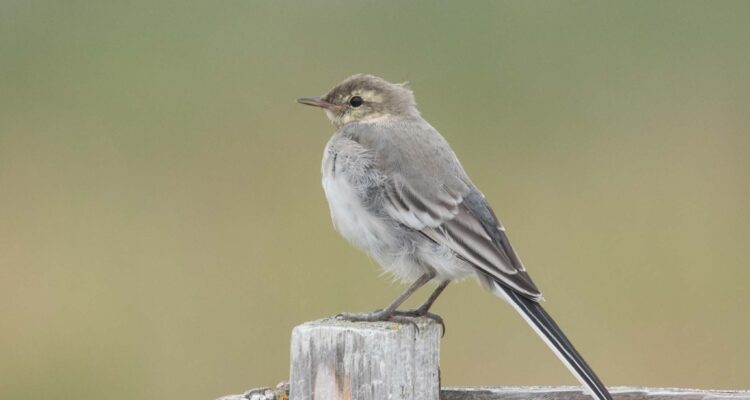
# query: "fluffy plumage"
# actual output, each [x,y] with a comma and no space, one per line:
[397,191]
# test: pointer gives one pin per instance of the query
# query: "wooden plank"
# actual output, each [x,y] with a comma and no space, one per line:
[337,360]
[575,393]
[281,392]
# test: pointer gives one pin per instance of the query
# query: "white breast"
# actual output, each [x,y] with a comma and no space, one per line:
[374,235]
[350,217]
[347,181]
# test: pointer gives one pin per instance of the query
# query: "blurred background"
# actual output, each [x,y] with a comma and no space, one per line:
[163,228]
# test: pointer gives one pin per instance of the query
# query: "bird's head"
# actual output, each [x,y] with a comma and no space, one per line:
[364,97]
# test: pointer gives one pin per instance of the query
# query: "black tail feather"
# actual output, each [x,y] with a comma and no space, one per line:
[546,327]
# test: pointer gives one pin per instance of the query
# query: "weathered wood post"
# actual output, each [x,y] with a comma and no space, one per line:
[338,360]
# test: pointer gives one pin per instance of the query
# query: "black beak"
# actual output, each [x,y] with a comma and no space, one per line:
[314,101]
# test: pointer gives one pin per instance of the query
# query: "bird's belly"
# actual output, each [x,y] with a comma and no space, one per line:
[354,193]
[400,251]
[350,216]
[380,237]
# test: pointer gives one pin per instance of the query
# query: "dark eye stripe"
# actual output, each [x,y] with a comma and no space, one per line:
[356,101]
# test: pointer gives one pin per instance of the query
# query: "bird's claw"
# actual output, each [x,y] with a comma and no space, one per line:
[417,312]
[399,317]
[377,316]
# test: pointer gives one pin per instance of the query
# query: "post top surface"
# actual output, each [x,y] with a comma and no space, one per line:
[423,324]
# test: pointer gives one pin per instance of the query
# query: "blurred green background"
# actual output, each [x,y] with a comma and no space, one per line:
[162,224]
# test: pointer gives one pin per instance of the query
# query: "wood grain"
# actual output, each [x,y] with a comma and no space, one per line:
[340,360]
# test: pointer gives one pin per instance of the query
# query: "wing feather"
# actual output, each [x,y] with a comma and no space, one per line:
[467,226]
[428,190]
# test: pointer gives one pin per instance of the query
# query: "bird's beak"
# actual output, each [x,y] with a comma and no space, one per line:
[314,101]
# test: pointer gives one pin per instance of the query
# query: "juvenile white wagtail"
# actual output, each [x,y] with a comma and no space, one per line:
[397,191]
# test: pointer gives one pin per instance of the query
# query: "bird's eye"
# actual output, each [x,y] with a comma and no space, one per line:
[356,101]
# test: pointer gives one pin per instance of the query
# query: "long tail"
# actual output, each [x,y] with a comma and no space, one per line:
[548,330]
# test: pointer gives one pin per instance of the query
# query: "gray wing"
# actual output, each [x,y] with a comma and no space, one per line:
[469,228]
[428,190]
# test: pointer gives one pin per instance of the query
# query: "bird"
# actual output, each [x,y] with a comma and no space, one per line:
[397,191]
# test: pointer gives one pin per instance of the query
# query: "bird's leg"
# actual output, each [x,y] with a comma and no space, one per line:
[423,310]
[425,307]
[388,312]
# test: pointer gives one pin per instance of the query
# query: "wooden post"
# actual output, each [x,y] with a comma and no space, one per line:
[340,360]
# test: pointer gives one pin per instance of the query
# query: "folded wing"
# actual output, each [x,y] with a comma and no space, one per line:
[463,221]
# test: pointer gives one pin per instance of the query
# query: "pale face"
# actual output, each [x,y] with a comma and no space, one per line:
[362,98]
[357,105]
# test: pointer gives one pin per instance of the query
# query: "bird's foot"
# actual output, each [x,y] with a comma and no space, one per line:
[378,315]
[420,312]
